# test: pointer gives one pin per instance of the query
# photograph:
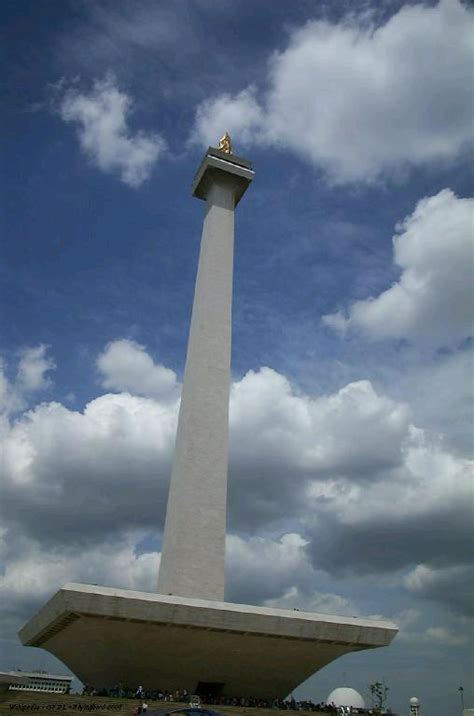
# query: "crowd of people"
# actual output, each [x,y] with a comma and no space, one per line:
[182,696]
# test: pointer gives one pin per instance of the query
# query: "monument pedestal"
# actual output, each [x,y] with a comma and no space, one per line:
[108,636]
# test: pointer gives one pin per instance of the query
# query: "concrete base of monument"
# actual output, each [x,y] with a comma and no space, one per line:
[108,636]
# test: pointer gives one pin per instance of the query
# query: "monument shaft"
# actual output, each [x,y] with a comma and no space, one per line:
[192,562]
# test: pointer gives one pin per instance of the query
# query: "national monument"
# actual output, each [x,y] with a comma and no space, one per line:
[186,635]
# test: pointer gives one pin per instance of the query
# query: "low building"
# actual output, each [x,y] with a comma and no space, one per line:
[39,681]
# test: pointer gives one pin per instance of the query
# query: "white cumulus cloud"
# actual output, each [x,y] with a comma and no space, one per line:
[126,366]
[31,576]
[32,369]
[453,584]
[316,484]
[432,300]
[263,568]
[353,431]
[441,635]
[358,100]
[240,115]
[73,477]
[101,117]
[314,601]
[31,377]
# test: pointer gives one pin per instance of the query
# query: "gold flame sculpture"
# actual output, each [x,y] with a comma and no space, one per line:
[225,144]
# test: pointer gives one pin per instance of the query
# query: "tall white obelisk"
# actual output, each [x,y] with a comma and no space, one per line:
[192,562]
[186,635]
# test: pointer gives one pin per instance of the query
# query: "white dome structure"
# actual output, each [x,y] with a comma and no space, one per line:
[344,696]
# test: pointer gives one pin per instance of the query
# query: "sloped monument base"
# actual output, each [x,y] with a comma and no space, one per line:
[108,636]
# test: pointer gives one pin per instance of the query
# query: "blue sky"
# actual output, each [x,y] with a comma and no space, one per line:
[351,414]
